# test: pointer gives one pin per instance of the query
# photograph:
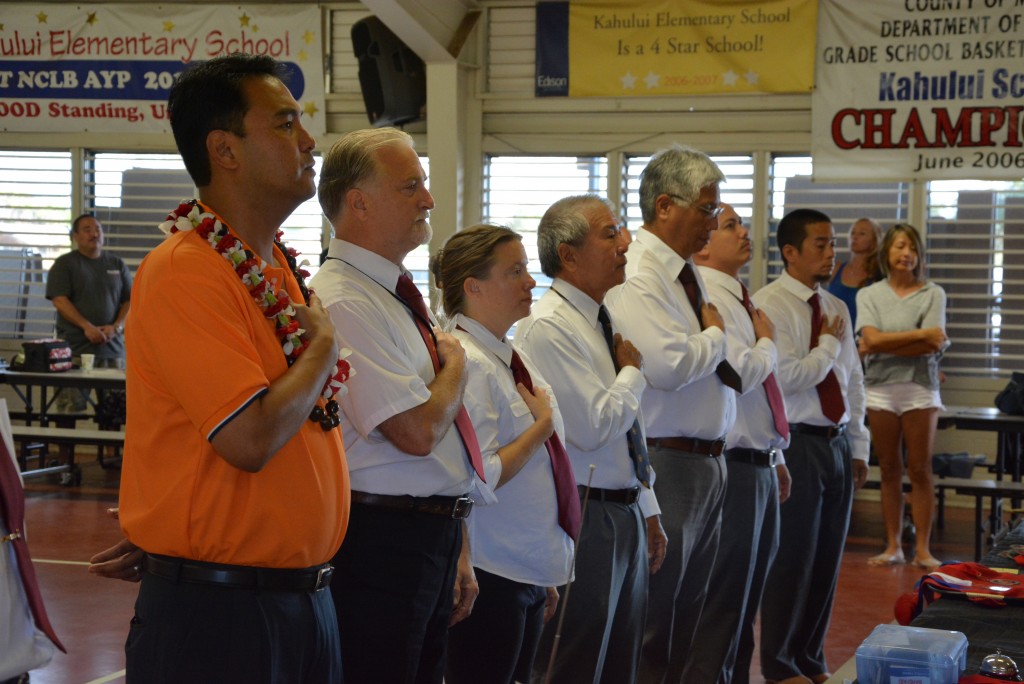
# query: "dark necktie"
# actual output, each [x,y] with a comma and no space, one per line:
[634,438]
[725,372]
[829,393]
[771,385]
[411,295]
[566,494]
[12,510]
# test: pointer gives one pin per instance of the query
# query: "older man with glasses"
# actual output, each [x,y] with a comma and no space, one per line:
[690,401]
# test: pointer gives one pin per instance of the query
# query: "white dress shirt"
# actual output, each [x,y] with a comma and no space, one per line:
[598,405]
[685,397]
[753,359]
[518,537]
[392,370]
[802,368]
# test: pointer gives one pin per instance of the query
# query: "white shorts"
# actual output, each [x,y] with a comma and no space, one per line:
[901,397]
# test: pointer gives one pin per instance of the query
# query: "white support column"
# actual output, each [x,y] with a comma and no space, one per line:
[444,144]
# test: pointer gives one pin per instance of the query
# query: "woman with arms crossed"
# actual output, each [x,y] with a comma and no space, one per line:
[902,322]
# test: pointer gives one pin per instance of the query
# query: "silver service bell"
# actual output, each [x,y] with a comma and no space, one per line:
[999,666]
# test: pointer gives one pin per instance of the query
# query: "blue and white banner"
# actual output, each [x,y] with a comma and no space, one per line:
[109,68]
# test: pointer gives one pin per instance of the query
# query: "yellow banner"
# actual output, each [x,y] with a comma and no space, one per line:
[636,49]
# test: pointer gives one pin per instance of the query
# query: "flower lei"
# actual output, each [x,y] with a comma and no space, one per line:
[276,306]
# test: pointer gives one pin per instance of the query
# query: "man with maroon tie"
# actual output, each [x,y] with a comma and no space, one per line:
[821,378]
[757,476]
[411,450]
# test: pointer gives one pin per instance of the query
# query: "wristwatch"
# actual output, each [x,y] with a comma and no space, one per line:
[119,329]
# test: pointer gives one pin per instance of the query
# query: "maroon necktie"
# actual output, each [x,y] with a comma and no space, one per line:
[771,385]
[411,295]
[12,510]
[829,393]
[725,372]
[565,482]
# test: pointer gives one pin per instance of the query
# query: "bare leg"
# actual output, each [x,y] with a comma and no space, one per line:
[919,428]
[885,435]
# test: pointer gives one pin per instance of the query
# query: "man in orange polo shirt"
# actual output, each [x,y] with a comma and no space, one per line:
[234,480]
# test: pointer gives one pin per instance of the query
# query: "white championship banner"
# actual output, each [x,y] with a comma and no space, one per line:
[919,89]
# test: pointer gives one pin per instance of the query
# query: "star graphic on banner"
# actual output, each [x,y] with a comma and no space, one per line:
[255,28]
[1,27]
[308,37]
[310,109]
[92,19]
[42,17]
[730,77]
[243,20]
[652,80]
[628,81]
[303,55]
[751,77]
[168,26]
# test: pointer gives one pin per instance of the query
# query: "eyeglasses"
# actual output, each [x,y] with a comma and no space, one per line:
[710,212]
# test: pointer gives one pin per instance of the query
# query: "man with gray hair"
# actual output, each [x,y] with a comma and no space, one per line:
[690,403]
[597,381]
[411,450]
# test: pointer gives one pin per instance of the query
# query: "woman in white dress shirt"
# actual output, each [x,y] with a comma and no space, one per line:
[519,551]
[902,327]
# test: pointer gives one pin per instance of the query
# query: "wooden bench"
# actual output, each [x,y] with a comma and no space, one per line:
[36,438]
[996,490]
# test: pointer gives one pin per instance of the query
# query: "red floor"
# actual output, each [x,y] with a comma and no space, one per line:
[67,525]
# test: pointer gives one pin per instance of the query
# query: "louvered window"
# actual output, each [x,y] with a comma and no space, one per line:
[976,253]
[130,193]
[35,222]
[518,190]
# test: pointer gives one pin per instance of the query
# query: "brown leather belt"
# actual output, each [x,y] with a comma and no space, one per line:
[758,457]
[454,507]
[707,447]
[238,576]
[826,431]
[627,496]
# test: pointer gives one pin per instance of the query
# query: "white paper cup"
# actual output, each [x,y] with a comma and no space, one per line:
[88,360]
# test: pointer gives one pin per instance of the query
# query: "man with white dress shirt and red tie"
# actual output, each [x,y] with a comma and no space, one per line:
[595,375]
[758,478]
[690,402]
[822,380]
[409,445]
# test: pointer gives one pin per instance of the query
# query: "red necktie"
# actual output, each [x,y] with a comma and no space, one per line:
[411,295]
[12,510]
[567,495]
[829,393]
[771,385]
[724,370]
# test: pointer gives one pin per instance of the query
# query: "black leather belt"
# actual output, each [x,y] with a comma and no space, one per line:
[707,447]
[620,496]
[826,431]
[758,457]
[454,507]
[238,576]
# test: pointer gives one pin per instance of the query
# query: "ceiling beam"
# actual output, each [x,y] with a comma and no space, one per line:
[435,30]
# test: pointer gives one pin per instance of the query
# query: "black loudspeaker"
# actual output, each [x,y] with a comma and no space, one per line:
[393,79]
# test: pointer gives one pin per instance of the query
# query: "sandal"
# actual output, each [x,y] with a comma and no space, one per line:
[887,559]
